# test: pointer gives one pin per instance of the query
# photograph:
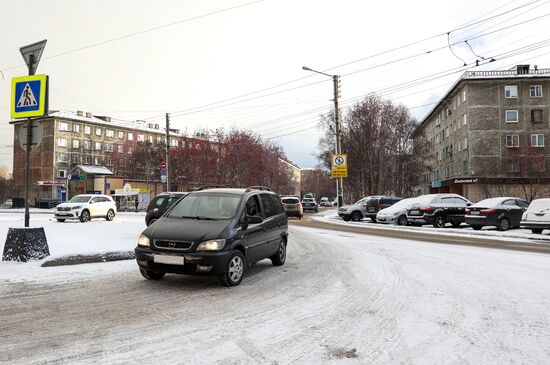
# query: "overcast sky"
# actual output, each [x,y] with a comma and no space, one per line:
[207,62]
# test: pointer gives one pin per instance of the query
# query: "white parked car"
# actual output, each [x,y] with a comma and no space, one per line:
[396,213]
[86,207]
[537,216]
[324,202]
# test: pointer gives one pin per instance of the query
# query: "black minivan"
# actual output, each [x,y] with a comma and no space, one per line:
[160,204]
[215,232]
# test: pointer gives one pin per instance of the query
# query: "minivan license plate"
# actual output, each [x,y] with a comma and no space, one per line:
[415,212]
[170,260]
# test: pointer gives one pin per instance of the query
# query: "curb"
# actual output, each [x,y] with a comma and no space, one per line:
[90,259]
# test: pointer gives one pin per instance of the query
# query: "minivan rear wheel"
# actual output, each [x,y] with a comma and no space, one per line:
[234,269]
[280,257]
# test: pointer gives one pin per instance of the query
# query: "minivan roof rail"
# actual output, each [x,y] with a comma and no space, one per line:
[257,187]
[204,187]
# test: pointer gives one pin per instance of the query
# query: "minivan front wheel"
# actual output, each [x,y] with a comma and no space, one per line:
[356,216]
[280,257]
[234,269]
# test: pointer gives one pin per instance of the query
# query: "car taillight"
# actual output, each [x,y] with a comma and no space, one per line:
[426,209]
[487,211]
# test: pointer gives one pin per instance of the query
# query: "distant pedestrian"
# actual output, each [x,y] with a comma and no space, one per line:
[137,203]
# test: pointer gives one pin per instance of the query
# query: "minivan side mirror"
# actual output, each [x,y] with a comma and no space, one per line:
[468,204]
[254,219]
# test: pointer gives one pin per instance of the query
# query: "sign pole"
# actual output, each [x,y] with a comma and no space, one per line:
[28,154]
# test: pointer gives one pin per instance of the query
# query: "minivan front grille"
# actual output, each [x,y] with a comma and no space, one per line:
[173,245]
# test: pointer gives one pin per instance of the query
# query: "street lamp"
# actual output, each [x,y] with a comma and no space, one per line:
[339,180]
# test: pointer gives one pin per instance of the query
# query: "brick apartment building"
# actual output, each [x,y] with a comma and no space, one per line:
[486,136]
[93,142]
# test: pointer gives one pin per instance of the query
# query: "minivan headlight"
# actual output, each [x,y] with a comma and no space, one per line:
[211,245]
[143,241]
[76,207]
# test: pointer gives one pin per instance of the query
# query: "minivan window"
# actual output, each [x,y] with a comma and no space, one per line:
[253,206]
[269,208]
[157,202]
[278,205]
[290,200]
[206,206]
[80,199]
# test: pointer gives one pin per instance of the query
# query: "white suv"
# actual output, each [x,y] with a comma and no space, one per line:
[537,216]
[86,207]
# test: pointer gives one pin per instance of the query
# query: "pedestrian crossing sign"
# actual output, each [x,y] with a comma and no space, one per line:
[29,96]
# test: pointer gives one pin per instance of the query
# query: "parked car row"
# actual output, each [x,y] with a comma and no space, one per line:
[448,208]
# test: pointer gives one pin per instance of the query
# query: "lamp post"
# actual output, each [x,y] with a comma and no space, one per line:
[339,180]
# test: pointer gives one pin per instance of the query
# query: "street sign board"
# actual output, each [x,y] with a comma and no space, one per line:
[163,165]
[163,178]
[36,136]
[50,183]
[29,96]
[339,165]
[32,54]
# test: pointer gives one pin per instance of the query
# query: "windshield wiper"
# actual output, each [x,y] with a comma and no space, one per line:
[205,218]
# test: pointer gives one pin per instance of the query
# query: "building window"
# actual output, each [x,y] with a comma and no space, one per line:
[446,132]
[120,134]
[130,136]
[97,160]
[150,139]
[512,140]
[87,145]
[62,142]
[98,146]
[62,157]
[120,148]
[536,116]
[465,167]
[87,160]
[75,159]
[464,120]
[140,138]
[76,143]
[98,131]
[87,129]
[463,95]
[62,126]
[511,116]
[62,173]
[109,133]
[108,161]
[76,128]
[465,143]
[511,91]
[159,139]
[535,91]
[537,140]
[513,166]
[109,147]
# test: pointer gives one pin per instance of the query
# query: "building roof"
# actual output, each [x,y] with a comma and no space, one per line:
[95,170]
[113,122]
[518,72]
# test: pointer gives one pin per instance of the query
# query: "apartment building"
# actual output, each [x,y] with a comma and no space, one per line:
[82,139]
[486,136]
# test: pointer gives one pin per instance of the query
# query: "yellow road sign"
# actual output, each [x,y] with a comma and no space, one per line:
[29,96]
[339,165]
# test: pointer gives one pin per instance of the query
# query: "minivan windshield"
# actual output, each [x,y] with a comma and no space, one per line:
[80,199]
[206,206]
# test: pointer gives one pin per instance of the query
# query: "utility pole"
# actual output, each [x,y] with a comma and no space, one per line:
[167,152]
[340,180]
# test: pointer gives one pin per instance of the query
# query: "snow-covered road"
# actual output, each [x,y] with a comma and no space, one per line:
[340,298]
